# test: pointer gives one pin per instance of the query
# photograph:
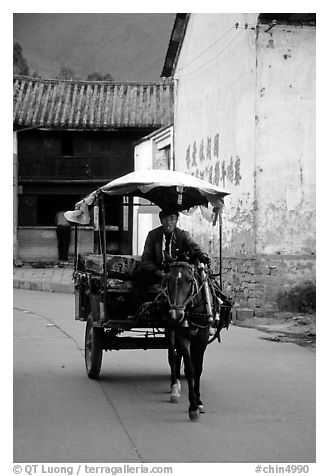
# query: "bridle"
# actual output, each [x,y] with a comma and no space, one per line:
[195,290]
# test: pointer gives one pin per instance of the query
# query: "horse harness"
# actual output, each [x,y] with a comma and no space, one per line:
[196,289]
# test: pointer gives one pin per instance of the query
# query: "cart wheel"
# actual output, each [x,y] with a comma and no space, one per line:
[93,349]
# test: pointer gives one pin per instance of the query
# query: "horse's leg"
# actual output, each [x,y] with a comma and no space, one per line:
[184,343]
[198,347]
[174,371]
[178,368]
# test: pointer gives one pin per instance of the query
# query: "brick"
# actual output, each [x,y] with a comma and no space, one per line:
[254,302]
[259,312]
[242,314]
[257,295]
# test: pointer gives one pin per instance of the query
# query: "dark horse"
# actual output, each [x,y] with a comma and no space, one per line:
[189,321]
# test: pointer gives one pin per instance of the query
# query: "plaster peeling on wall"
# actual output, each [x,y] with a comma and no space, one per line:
[301,171]
[293,198]
[285,227]
[239,229]
[243,241]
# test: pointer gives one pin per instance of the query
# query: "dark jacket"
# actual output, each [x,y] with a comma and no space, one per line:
[152,259]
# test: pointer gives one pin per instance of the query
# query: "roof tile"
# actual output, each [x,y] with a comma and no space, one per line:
[91,105]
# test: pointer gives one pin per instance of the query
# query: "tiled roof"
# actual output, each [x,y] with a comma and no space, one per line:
[63,104]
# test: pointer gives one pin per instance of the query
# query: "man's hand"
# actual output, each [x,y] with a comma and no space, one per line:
[204,258]
[160,273]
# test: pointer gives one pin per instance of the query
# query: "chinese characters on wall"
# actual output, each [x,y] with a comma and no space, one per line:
[202,160]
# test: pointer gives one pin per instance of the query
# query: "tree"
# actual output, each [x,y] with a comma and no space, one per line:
[66,73]
[100,77]
[108,77]
[94,76]
[20,63]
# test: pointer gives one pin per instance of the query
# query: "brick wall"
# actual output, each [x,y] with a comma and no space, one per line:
[254,282]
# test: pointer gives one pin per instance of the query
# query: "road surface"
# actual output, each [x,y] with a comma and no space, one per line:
[259,397]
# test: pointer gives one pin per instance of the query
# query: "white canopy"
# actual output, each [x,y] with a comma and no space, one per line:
[165,188]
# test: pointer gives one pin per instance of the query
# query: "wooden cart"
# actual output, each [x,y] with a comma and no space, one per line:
[103,281]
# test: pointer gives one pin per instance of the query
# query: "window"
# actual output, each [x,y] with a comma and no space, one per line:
[49,205]
[40,210]
[67,144]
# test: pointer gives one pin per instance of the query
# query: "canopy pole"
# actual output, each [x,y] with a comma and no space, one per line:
[220,250]
[104,257]
[75,247]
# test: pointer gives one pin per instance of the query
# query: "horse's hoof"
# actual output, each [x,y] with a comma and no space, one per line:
[175,393]
[201,407]
[194,414]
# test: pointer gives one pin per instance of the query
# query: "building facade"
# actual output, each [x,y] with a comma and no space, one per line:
[69,138]
[245,119]
[154,151]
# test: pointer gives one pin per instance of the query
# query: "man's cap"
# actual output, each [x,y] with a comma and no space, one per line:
[168,211]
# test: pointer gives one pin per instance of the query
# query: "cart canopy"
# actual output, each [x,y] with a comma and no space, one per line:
[165,188]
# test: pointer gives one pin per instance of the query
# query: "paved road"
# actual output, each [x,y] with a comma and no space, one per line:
[259,396]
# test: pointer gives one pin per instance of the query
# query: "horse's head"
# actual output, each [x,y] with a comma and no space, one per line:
[180,288]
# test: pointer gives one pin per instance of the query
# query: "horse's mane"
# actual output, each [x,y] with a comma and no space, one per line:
[180,264]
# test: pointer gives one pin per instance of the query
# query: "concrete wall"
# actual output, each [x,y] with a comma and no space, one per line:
[40,244]
[245,120]
[214,122]
[152,152]
[285,140]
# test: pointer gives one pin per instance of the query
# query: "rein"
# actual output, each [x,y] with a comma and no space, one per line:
[195,290]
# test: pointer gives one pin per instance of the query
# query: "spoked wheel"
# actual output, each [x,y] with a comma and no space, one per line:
[93,349]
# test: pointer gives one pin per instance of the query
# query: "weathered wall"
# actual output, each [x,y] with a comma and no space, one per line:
[245,120]
[285,140]
[214,121]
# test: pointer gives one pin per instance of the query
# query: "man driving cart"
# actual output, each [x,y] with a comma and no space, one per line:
[163,245]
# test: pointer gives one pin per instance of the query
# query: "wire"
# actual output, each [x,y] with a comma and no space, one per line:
[204,51]
[218,54]
[237,26]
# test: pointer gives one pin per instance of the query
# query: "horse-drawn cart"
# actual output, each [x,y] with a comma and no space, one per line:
[103,281]
[105,303]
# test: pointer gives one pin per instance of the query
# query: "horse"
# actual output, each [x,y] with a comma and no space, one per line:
[187,331]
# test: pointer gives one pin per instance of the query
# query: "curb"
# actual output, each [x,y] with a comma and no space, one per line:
[39,285]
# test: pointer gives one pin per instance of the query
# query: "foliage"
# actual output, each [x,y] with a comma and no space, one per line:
[20,63]
[66,73]
[100,77]
[301,298]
